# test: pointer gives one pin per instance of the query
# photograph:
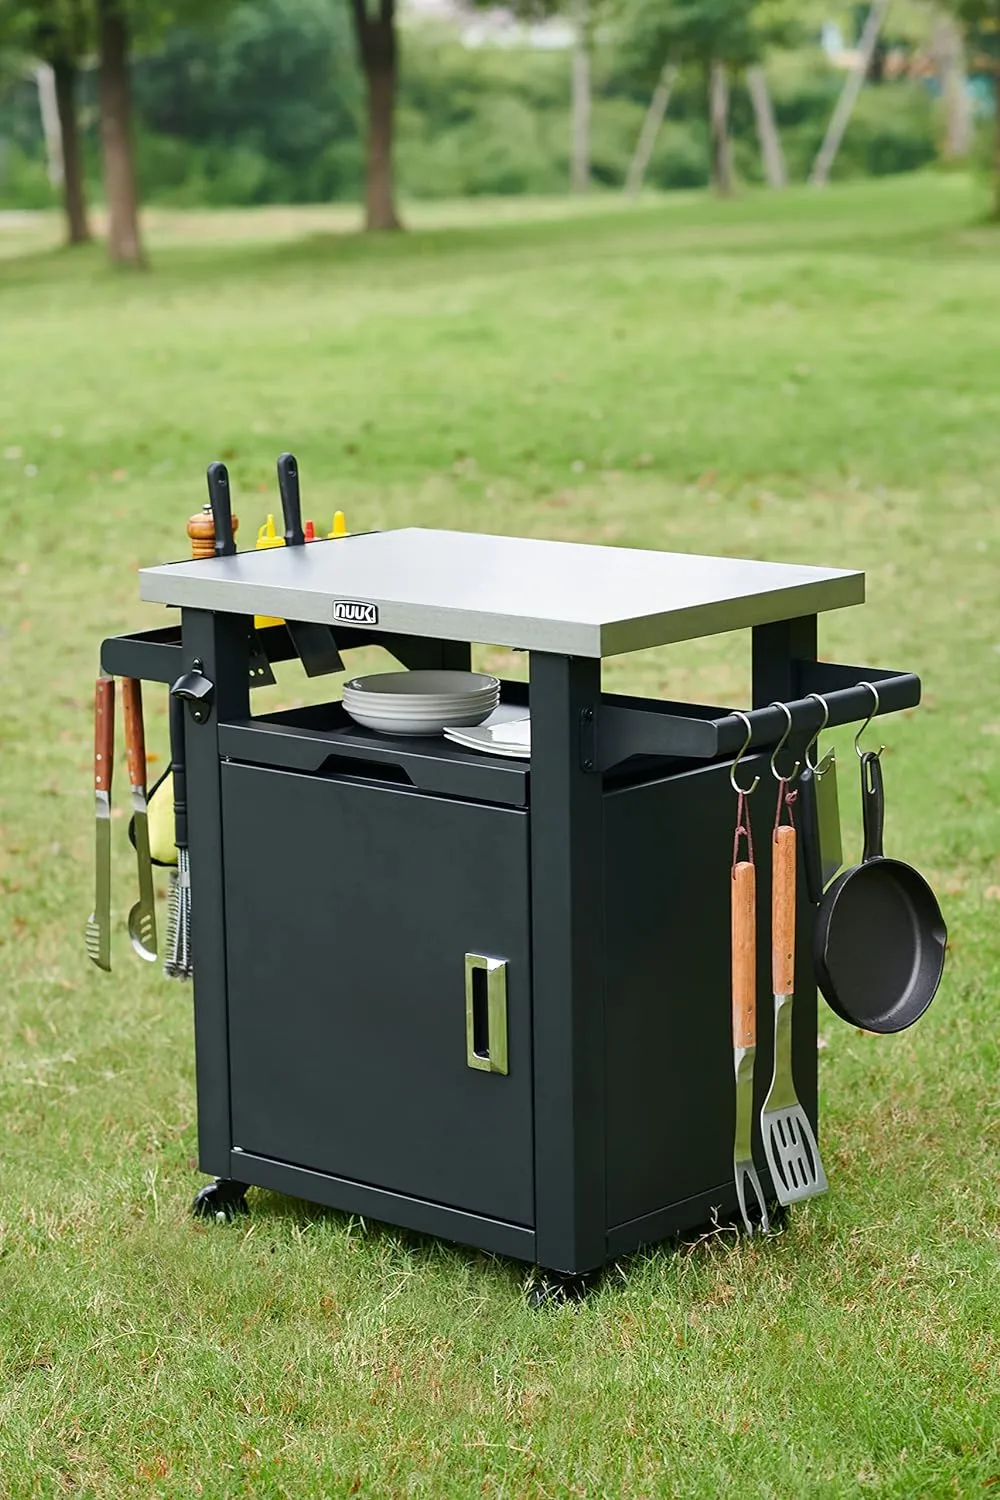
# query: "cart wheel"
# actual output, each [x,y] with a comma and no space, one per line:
[220,1200]
[552,1288]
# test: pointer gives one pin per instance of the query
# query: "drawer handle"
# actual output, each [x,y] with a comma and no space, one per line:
[486,1013]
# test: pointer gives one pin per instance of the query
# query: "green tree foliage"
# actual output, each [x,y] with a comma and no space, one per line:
[260,107]
[264,106]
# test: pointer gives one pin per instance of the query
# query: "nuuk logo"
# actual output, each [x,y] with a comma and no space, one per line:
[355,612]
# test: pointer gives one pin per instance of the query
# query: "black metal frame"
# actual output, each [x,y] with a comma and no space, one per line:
[578,734]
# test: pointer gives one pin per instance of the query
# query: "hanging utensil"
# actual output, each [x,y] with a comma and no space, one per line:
[99,922]
[142,917]
[880,939]
[177,957]
[743,898]
[789,1140]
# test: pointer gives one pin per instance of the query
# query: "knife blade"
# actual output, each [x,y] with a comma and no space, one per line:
[99,922]
[142,917]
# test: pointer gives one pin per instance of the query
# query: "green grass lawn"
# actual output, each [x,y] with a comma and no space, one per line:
[808,377]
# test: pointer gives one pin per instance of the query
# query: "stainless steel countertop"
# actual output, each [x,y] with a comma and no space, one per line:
[563,597]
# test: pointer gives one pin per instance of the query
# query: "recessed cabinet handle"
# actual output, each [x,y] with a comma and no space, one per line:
[486,1013]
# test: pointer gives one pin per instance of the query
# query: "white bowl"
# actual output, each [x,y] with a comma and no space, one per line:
[426,723]
[420,703]
[453,686]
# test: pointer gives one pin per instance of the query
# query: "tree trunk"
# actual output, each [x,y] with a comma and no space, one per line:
[115,97]
[378,53]
[580,123]
[718,118]
[820,174]
[650,129]
[46,84]
[949,62]
[996,140]
[74,201]
[767,129]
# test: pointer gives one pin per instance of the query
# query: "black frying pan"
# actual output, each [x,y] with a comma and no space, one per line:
[879,939]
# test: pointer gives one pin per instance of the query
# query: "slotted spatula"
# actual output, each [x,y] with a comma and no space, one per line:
[789,1141]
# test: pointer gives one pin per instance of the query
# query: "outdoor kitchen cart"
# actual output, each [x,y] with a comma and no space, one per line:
[480,997]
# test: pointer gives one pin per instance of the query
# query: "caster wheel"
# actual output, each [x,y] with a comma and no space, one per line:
[221,1200]
[552,1289]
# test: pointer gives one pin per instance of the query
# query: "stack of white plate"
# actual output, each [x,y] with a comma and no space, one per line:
[507,731]
[420,702]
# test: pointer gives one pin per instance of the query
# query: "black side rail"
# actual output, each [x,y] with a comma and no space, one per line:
[623,732]
[155,655]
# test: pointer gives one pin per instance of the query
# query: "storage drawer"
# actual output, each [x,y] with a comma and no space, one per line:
[350,909]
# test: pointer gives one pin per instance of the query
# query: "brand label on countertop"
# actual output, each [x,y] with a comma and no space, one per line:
[355,612]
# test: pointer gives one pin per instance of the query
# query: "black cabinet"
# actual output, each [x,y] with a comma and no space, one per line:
[482,998]
[350,909]
[360,917]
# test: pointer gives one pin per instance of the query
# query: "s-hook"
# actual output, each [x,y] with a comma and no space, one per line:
[815,739]
[857,748]
[785,780]
[739,790]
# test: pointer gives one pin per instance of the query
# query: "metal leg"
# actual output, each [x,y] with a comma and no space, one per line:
[567,865]
[221,644]
[775,649]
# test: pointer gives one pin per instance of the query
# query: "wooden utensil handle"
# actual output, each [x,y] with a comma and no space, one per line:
[744,935]
[104,733]
[783,870]
[135,737]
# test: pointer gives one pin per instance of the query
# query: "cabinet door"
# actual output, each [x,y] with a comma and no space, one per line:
[350,909]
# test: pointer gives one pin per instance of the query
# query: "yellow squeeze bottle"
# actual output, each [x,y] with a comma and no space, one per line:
[339,525]
[267,536]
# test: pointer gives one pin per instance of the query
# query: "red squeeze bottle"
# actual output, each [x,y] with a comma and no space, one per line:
[310,532]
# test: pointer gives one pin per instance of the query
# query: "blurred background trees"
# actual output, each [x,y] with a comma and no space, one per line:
[213,102]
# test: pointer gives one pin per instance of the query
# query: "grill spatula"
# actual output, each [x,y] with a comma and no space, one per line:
[744,934]
[789,1141]
[99,922]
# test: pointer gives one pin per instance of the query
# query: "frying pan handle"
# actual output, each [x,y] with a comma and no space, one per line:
[744,932]
[872,804]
